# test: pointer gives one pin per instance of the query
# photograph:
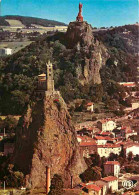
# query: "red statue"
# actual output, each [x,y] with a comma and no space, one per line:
[79,17]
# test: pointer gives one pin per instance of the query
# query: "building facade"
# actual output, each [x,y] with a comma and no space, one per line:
[106,150]
[112,168]
[111,182]
[106,125]
[5,51]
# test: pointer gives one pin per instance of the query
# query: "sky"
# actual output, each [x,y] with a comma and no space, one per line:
[98,13]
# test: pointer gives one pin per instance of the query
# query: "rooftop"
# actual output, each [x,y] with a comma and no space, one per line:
[112,163]
[109,178]
[89,104]
[42,75]
[91,143]
[92,187]
[99,138]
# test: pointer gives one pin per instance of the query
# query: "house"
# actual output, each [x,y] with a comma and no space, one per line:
[106,150]
[91,188]
[128,84]
[112,168]
[2,135]
[87,148]
[126,132]
[5,51]
[85,131]
[135,105]
[90,107]
[84,138]
[106,125]
[132,147]
[102,185]
[100,140]
[117,132]
[111,183]
[104,134]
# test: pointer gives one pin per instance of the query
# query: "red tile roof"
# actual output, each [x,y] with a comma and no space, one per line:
[108,138]
[99,138]
[103,138]
[105,133]
[93,187]
[100,183]
[112,163]
[91,143]
[109,178]
[128,84]
[89,104]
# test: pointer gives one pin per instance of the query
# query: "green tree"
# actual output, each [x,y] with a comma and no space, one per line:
[123,153]
[10,123]
[91,174]
[96,160]
[13,178]
[130,156]
[56,187]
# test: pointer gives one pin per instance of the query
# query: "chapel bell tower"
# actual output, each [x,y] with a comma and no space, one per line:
[50,79]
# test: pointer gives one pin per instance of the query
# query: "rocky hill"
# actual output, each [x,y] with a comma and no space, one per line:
[28,21]
[46,137]
[94,53]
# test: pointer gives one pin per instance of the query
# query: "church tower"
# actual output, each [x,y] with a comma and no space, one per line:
[49,76]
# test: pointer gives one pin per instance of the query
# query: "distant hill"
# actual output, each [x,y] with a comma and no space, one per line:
[28,21]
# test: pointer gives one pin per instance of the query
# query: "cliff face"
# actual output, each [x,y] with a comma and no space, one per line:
[80,37]
[46,137]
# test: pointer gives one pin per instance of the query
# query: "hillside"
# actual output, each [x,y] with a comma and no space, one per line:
[28,21]
[107,59]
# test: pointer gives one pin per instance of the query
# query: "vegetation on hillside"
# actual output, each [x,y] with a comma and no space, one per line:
[3,22]
[18,74]
[27,21]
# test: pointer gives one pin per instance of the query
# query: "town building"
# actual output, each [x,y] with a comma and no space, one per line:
[128,84]
[106,150]
[106,125]
[132,147]
[100,140]
[87,148]
[135,105]
[111,183]
[117,132]
[85,131]
[5,51]
[102,185]
[91,188]
[112,168]
[90,107]
[126,132]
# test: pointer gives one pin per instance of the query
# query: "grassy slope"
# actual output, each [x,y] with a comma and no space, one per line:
[30,20]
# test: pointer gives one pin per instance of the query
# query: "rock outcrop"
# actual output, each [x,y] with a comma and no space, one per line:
[79,36]
[46,137]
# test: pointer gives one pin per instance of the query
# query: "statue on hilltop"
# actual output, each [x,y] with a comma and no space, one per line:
[80,17]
